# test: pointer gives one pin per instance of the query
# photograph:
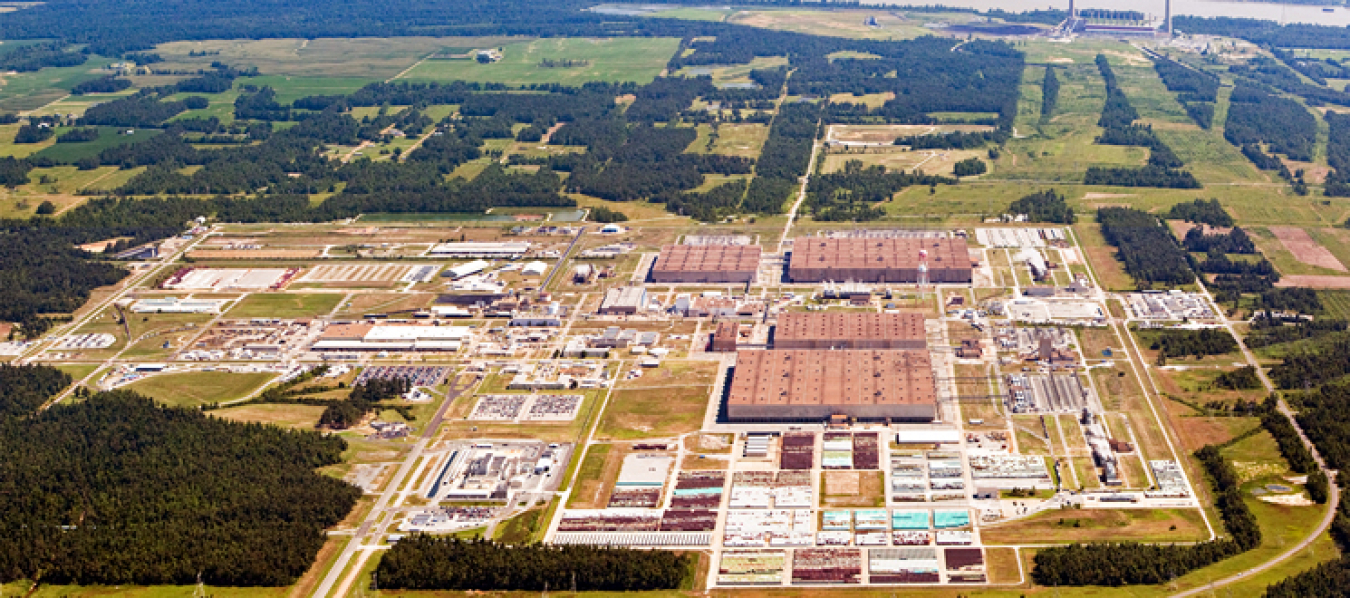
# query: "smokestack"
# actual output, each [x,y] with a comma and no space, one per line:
[1072,12]
[1167,17]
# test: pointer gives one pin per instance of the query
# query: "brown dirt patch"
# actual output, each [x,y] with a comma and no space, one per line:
[888,133]
[1314,281]
[852,489]
[841,482]
[1305,248]
[1181,227]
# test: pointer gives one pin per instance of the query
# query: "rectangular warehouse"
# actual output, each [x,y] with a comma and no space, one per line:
[706,263]
[879,260]
[826,330]
[814,385]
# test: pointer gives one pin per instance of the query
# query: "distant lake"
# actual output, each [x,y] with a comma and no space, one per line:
[1284,13]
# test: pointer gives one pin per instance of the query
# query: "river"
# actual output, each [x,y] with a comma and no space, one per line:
[1283,13]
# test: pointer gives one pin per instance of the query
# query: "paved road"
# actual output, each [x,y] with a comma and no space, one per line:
[1333,500]
[336,574]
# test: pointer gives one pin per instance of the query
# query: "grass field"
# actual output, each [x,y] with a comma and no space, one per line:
[616,59]
[190,389]
[659,404]
[1086,525]
[730,139]
[285,305]
[372,58]
[107,137]
[301,417]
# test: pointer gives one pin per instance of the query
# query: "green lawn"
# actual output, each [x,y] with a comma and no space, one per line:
[303,417]
[616,59]
[286,305]
[190,389]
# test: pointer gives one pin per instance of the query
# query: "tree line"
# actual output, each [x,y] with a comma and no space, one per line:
[422,562]
[1049,94]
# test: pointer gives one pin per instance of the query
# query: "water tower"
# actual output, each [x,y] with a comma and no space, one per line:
[923,268]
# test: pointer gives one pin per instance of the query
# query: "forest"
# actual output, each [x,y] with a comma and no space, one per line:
[1146,247]
[1043,206]
[1234,241]
[117,490]
[1189,343]
[422,562]
[1257,117]
[24,388]
[1201,212]
[1128,563]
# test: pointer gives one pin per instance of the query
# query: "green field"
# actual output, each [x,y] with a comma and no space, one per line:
[107,137]
[191,389]
[28,91]
[616,59]
[286,305]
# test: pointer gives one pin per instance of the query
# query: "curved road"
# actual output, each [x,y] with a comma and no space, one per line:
[1332,500]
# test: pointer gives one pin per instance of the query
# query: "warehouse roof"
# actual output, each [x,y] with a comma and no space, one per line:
[708,258]
[833,377]
[849,326]
[879,253]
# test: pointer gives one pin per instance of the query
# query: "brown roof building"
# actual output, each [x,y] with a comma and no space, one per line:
[707,263]
[725,337]
[827,330]
[879,260]
[813,385]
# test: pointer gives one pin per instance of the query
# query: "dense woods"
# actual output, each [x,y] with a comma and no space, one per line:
[423,562]
[1201,212]
[1256,117]
[1190,343]
[1128,563]
[117,490]
[25,388]
[1146,247]
[1043,206]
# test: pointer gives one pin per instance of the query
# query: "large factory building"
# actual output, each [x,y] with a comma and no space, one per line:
[706,264]
[816,385]
[834,330]
[880,260]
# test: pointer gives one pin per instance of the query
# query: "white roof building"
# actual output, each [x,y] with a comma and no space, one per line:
[470,249]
